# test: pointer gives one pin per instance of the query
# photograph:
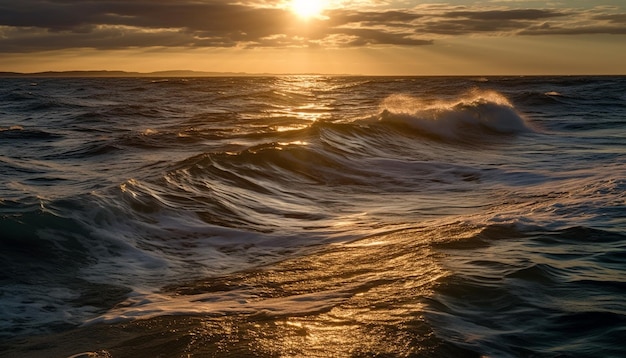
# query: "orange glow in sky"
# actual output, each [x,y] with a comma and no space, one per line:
[394,37]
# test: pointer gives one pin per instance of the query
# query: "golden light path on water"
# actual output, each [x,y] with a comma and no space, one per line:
[364,298]
[303,101]
[361,298]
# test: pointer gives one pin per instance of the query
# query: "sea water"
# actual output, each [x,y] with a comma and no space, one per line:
[313,216]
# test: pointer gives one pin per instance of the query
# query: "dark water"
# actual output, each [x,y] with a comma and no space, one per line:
[313,216]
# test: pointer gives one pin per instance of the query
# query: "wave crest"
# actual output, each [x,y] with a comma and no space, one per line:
[475,113]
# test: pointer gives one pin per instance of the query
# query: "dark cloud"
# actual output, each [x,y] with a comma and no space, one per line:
[119,24]
[506,15]
[547,29]
[103,38]
[521,22]
[469,26]
[343,17]
[34,25]
[491,21]
[613,18]
[216,17]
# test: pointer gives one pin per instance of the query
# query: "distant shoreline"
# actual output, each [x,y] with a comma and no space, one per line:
[189,74]
[173,73]
[105,73]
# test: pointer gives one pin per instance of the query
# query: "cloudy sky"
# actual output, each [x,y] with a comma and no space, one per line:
[395,37]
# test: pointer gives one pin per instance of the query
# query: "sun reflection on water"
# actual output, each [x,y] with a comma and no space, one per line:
[369,298]
[304,97]
[387,279]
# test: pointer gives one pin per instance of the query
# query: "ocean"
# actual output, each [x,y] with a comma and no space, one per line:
[313,216]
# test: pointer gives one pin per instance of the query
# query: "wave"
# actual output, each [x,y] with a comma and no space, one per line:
[91,149]
[285,186]
[515,300]
[42,253]
[18,132]
[535,99]
[476,114]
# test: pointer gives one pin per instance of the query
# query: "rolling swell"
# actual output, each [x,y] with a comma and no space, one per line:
[390,151]
[267,186]
[290,185]
[262,188]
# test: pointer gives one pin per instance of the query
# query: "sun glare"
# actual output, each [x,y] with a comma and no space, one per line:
[307,8]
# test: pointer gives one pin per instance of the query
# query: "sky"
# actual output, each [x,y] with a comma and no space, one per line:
[368,37]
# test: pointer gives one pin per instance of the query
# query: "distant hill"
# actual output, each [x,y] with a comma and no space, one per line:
[175,73]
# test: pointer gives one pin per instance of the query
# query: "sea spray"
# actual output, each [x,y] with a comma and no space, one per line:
[475,114]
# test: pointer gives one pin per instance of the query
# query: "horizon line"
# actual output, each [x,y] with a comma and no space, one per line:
[196,73]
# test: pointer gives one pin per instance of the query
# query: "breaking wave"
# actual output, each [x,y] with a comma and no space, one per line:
[475,114]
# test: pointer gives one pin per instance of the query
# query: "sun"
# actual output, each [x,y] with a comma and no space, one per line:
[307,8]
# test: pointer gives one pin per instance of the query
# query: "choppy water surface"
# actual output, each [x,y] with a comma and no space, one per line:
[313,216]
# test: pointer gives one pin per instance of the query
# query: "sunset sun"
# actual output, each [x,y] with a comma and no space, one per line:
[307,8]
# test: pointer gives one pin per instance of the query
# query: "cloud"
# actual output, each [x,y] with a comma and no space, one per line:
[519,22]
[196,23]
[504,15]
[36,25]
[547,29]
